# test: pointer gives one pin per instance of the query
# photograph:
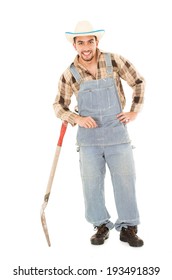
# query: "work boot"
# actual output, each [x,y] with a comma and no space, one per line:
[129,235]
[100,236]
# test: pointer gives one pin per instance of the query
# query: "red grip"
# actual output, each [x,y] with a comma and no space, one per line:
[62,133]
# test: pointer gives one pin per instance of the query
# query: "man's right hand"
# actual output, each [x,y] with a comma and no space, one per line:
[87,122]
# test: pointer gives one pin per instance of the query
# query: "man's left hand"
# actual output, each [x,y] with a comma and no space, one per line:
[126,117]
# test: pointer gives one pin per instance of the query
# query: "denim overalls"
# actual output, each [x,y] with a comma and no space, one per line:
[109,144]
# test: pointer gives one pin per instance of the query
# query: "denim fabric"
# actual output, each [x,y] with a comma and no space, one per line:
[108,144]
[119,159]
[99,99]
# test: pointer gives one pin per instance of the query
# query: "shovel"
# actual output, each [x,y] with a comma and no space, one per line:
[50,181]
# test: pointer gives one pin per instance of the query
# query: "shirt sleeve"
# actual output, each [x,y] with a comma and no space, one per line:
[129,73]
[63,100]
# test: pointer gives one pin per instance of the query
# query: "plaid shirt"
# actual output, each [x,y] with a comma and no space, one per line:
[122,68]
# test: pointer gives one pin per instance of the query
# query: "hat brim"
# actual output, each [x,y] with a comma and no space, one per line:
[97,33]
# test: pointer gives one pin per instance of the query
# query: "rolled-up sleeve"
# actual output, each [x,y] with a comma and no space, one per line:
[63,100]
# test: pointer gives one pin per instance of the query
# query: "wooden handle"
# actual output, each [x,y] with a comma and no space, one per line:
[55,160]
[50,181]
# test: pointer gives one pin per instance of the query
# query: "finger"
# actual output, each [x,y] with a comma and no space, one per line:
[92,122]
[122,118]
[124,121]
[120,114]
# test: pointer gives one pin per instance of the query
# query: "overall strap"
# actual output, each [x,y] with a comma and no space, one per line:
[75,73]
[109,67]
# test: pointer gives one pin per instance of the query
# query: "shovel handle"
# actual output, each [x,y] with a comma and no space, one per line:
[50,181]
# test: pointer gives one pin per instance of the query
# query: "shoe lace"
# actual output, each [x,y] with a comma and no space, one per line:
[132,232]
[101,230]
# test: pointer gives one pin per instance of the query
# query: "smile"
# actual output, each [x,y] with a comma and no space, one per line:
[86,53]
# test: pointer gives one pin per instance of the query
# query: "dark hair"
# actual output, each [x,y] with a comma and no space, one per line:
[74,39]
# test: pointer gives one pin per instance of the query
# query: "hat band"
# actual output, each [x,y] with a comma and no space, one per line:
[89,32]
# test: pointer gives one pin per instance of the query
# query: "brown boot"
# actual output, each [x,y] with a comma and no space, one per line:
[100,236]
[129,235]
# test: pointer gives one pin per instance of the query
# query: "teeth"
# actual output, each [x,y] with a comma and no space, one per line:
[86,53]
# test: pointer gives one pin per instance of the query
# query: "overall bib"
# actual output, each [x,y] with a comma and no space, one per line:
[109,144]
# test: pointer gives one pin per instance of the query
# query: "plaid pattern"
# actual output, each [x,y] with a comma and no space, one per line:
[122,68]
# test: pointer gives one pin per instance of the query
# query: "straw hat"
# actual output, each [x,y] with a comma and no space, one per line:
[84,28]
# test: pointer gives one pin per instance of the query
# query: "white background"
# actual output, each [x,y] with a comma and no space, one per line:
[33,54]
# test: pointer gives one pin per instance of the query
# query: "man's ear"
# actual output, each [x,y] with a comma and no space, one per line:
[74,45]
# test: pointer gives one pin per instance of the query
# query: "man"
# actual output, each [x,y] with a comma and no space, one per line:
[95,79]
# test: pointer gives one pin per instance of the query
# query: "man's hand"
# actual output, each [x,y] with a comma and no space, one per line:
[87,122]
[127,117]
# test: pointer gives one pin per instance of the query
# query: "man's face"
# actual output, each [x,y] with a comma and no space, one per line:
[86,47]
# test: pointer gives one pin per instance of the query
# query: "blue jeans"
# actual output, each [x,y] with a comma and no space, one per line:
[119,159]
